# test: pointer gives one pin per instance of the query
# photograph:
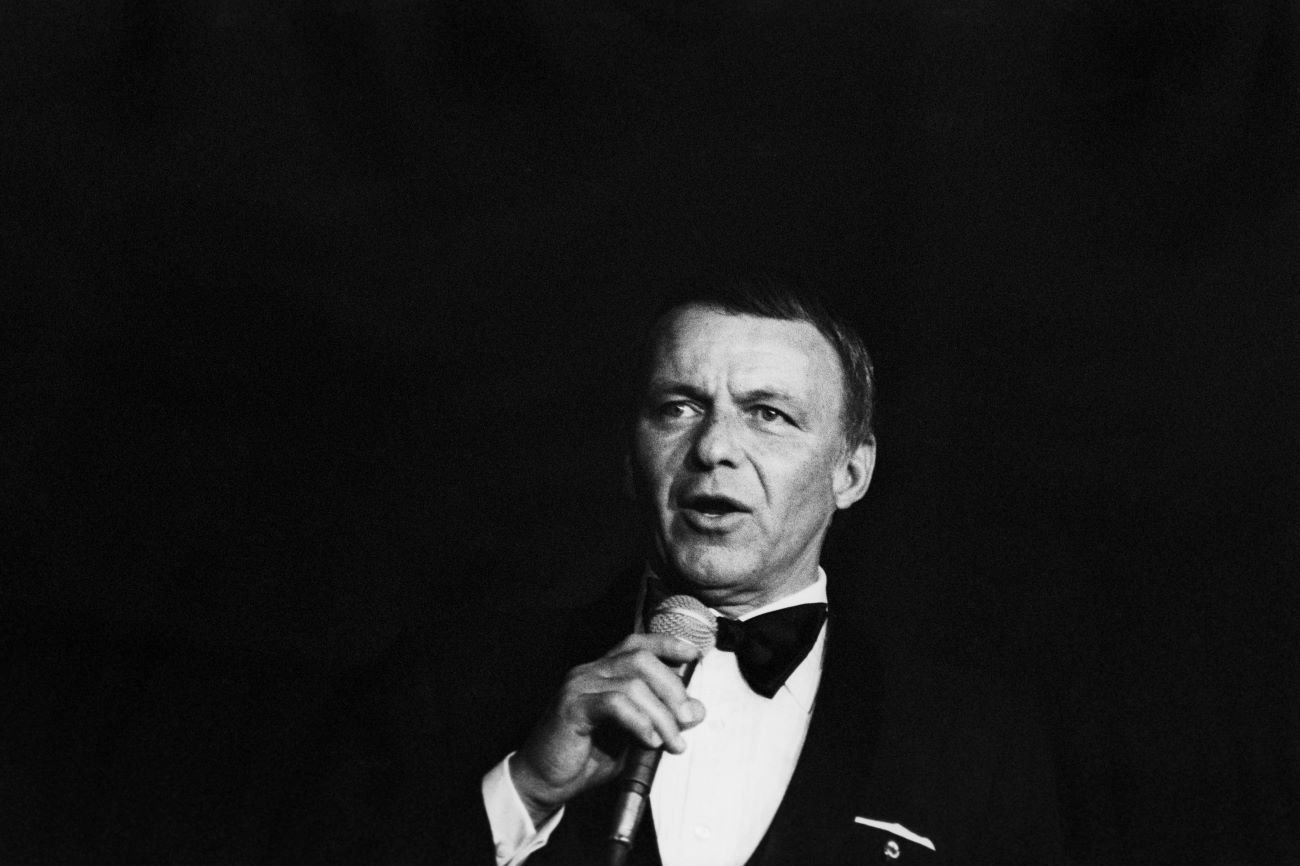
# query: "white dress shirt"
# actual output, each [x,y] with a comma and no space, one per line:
[712,804]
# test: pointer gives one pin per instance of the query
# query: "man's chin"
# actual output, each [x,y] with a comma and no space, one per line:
[708,575]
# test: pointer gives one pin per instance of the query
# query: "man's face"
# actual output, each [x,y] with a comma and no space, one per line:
[739,457]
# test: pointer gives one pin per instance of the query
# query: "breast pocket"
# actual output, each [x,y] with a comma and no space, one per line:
[883,841]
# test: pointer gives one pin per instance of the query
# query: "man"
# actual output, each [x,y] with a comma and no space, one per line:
[752,429]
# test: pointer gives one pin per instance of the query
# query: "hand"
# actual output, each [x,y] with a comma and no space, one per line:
[630,692]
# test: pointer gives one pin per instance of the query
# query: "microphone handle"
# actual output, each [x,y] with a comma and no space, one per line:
[639,766]
[638,775]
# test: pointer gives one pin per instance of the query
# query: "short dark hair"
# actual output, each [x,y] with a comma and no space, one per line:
[770,295]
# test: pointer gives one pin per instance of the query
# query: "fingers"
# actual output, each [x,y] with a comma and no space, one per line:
[664,682]
[657,659]
[634,688]
[632,710]
[671,650]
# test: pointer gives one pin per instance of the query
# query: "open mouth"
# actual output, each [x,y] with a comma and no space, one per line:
[712,506]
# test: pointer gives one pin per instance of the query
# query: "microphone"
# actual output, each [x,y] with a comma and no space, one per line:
[687,618]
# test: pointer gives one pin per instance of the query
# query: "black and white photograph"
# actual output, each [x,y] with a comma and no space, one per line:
[650,432]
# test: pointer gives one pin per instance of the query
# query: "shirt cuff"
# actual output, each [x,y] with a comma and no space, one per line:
[513,832]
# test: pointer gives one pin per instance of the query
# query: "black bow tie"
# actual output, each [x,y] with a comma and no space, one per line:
[770,646]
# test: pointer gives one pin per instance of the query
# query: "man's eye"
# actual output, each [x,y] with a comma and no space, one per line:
[769,415]
[676,409]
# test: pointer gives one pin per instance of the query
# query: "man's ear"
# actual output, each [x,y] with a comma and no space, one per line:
[853,474]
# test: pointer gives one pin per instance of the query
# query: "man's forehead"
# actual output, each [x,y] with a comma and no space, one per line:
[696,340]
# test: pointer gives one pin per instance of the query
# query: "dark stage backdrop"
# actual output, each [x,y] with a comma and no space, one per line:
[314,322]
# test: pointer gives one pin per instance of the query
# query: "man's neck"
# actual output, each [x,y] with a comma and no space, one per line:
[734,606]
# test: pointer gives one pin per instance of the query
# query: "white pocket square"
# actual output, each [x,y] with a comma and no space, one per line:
[898,830]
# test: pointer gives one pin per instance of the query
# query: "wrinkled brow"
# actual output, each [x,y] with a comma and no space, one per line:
[674,386]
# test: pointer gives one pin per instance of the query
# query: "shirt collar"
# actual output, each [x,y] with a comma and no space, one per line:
[814,593]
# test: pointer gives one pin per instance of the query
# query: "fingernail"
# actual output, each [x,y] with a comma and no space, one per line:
[690,712]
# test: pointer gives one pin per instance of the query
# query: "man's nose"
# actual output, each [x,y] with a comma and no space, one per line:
[716,441]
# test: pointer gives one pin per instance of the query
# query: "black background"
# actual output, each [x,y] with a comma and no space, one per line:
[314,322]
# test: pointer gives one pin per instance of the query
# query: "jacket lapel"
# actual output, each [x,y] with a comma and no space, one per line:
[814,823]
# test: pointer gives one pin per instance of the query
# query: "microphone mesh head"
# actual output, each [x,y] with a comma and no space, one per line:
[687,618]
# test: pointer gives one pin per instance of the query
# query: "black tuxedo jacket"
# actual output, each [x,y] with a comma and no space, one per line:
[893,739]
